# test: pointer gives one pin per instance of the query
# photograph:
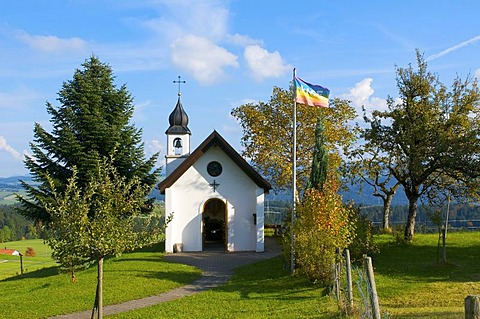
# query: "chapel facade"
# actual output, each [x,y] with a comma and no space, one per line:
[215,198]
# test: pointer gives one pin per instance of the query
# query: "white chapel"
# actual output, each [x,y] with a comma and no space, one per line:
[215,197]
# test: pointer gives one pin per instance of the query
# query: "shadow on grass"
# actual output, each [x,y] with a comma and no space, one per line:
[155,248]
[40,273]
[419,262]
[268,280]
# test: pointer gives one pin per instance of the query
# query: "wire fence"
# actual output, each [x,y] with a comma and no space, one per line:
[355,289]
[428,227]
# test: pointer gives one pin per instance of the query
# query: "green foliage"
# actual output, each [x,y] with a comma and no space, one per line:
[318,174]
[91,123]
[322,225]
[14,226]
[428,133]
[271,154]
[363,242]
[99,219]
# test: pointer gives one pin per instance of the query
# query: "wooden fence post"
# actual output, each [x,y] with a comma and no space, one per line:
[337,274]
[444,246]
[373,288]
[21,264]
[348,270]
[472,307]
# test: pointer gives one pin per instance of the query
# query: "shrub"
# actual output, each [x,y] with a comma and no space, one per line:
[30,252]
[363,243]
[321,226]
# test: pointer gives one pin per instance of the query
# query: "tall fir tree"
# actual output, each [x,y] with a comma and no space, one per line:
[318,174]
[91,123]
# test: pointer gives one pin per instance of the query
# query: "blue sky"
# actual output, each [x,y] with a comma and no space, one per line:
[229,52]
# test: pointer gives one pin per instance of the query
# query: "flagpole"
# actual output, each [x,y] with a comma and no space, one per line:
[294,176]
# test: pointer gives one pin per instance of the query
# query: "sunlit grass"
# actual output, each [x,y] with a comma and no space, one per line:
[45,292]
[411,284]
[10,265]
[261,290]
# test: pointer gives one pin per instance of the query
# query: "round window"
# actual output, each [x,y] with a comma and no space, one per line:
[214,168]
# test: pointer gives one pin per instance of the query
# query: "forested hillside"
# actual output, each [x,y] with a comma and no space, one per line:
[14,226]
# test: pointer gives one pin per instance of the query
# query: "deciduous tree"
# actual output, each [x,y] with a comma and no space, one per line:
[97,219]
[428,132]
[366,166]
[267,135]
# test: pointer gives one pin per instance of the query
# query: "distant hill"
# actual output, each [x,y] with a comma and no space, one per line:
[352,194]
[365,197]
[12,184]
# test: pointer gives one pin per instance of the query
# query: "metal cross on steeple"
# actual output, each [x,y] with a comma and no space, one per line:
[179,82]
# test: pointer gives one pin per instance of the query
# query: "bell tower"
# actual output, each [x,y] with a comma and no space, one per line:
[178,135]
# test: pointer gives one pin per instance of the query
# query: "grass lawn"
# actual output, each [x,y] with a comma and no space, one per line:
[45,292]
[10,265]
[261,290]
[409,281]
[411,284]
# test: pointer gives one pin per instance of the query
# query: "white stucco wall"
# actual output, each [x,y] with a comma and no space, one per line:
[186,199]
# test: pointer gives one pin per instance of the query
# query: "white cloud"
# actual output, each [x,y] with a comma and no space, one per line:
[7,148]
[362,96]
[50,43]
[242,40]
[207,18]
[453,48]
[264,64]
[203,58]
[153,146]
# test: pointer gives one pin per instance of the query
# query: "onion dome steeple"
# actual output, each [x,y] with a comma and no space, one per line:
[178,135]
[178,120]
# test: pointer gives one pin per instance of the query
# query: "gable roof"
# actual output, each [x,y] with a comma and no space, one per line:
[12,252]
[214,139]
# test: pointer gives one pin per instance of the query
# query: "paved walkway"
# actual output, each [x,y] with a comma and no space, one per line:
[217,267]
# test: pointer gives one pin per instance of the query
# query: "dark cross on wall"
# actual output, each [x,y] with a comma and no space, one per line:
[179,82]
[214,185]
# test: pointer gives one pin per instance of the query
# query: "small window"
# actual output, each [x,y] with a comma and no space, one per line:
[214,169]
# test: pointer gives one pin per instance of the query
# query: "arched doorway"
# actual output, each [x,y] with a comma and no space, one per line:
[214,224]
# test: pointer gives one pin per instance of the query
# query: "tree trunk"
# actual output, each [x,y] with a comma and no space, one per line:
[412,214]
[387,203]
[100,288]
[98,305]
